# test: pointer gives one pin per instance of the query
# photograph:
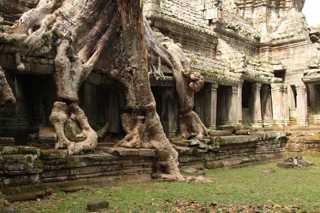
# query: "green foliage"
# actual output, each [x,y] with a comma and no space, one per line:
[256,185]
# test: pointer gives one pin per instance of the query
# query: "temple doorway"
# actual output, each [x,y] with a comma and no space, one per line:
[224,94]
[314,103]
[247,103]
[266,105]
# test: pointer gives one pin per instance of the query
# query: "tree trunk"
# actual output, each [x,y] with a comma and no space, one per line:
[141,120]
[102,35]
[6,94]
[187,83]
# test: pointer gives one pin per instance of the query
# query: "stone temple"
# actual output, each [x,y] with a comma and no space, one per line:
[260,62]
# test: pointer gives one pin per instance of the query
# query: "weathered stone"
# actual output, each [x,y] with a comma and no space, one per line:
[214,164]
[8,210]
[27,196]
[3,201]
[250,58]
[97,206]
[72,189]
[16,150]
[294,162]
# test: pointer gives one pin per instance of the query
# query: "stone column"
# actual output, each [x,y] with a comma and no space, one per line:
[302,105]
[240,85]
[267,106]
[285,99]
[257,115]
[211,109]
[277,104]
[169,111]
[172,116]
[233,112]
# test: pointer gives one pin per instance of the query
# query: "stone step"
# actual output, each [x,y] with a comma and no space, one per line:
[7,141]
[47,137]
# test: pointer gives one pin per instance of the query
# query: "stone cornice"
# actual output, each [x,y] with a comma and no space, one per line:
[220,27]
[313,77]
[176,26]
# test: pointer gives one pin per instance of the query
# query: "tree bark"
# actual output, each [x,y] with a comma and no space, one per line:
[187,83]
[108,36]
[6,94]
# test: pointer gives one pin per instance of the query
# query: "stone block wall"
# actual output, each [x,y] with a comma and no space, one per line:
[186,12]
[236,151]
[11,10]
[232,49]
[29,165]
[24,168]
[295,57]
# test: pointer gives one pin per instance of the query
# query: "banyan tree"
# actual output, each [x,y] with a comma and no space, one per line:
[113,38]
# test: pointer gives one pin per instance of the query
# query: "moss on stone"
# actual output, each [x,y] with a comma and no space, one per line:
[15,150]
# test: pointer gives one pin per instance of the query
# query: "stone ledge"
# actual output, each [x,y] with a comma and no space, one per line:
[26,168]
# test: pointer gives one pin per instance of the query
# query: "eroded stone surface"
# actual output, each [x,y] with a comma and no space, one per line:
[223,79]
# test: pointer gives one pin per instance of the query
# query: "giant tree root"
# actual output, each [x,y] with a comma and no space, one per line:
[100,35]
[145,131]
[192,126]
[6,94]
[187,83]
[134,127]
[166,151]
[63,112]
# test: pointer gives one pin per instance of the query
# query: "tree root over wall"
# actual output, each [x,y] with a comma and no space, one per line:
[187,83]
[6,94]
[107,36]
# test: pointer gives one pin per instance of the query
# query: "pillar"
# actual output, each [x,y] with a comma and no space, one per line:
[278,106]
[211,109]
[266,102]
[233,111]
[302,105]
[239,113]
[257,115]
[169,111]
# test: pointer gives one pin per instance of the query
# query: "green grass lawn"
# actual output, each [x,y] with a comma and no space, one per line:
[253,185]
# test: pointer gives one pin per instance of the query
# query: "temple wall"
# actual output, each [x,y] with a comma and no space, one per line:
[35,95]
[223,50]
[11,10]
[294,56]
[34,169]
[187,12]
[232,49]
[102,104]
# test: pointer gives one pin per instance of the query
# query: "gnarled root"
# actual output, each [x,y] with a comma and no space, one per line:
[134,126]
[34,18]
[187,83]
[167,154]
[61,113]
[192,126]
[6,94]
[59,116]
[144,130]
[190,122]
[103,131]
[195,81]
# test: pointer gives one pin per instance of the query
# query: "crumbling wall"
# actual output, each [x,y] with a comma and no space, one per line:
[186,12]
[11,10]
[32,169]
